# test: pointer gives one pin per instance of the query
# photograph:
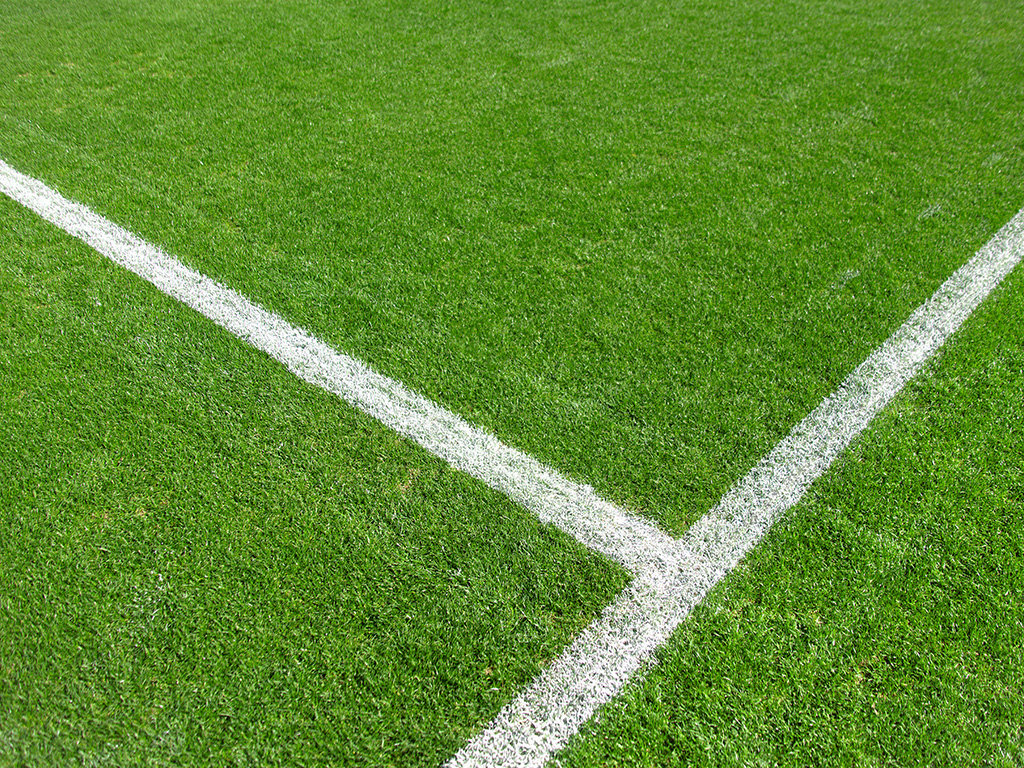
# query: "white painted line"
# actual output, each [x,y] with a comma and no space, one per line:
[617,645]
[673,576]
[633,542]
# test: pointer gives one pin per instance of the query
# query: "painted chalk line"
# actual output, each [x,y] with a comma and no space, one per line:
[631,541]
[622,641]
[672,576]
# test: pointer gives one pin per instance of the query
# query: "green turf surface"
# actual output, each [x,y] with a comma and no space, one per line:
[883,622]
[205,561]
[639,241]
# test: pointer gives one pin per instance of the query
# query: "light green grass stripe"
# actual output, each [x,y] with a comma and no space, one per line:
[619,644]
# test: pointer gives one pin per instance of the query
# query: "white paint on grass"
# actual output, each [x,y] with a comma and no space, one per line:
[576,509]
[595,668]
[672,576]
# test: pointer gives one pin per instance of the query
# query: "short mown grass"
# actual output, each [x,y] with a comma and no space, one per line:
[881,623]
[205,561]
[639,241]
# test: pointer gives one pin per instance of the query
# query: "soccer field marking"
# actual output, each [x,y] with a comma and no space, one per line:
[672,576]
[633,542]
[610,652]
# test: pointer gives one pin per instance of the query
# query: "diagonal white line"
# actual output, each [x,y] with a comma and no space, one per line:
[576,509]
[673,576]
[614,648]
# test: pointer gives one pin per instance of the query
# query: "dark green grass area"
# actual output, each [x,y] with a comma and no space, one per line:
[204,561]
[638,240]
[882,623]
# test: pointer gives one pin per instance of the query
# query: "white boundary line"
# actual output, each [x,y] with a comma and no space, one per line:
[598,664]
[576,509]
[673,576]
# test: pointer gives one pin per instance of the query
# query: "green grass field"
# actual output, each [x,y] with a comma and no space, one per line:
[637,241]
